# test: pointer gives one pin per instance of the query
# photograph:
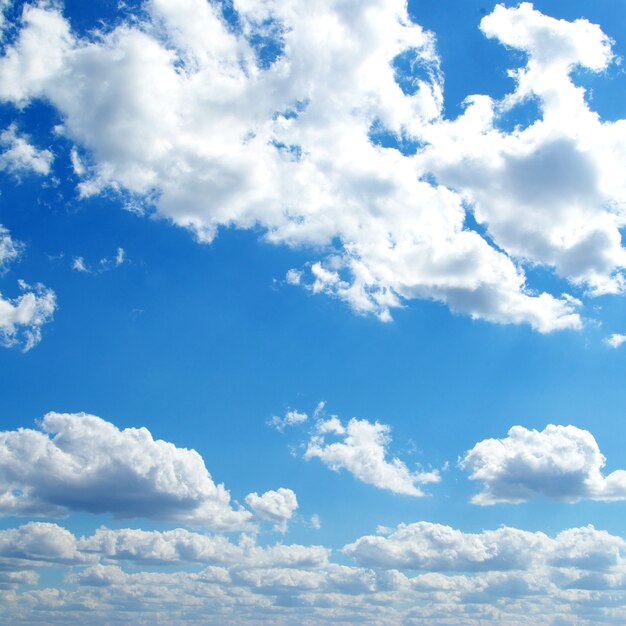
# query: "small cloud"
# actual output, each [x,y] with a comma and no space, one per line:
[615,340]
[78,265]
[293,277]
[275,506]
[315,521]
[291,419]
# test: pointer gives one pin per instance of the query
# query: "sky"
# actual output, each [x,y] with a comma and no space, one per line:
[312,312]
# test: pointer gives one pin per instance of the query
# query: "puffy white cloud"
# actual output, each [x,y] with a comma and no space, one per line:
[553,192]
[19,156]
[435,547]
[493,577]
[180,546]
[41,542]
[276,506]
[561,462]
[80,462]
[362,451]
[21,318]
[104,265]
[212,131]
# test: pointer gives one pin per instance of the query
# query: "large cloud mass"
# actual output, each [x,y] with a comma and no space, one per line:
[274,117]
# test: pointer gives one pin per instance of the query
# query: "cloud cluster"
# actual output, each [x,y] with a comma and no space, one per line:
[80,462]
[362,450]
[415,574]
[272,119]
[560,462]
[21,318]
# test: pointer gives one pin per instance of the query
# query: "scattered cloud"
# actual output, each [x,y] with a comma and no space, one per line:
[104,265]
[18,156]
[21,318]
[291,419]
[615,340]
[275,506]
[439,548]
[560,462]
[362,450]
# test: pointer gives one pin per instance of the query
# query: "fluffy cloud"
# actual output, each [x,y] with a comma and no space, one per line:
[561,462]
[527,576]
[182,546]
[553,192]
[276,506]
[215,130]
[435,547]
[362,451]
[19,156]
[79,462]
[21,318]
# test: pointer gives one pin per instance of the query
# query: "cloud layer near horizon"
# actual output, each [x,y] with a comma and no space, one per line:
[411,574]
[213,131]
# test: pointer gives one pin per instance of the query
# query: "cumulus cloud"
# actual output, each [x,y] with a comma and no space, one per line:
[560,462]
[553,192]
[216,130]
[440,548]
[19,156]
[182,546]
[275,506]
[80,462]
[362,450]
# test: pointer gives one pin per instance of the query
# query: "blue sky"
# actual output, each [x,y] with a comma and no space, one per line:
[321,313]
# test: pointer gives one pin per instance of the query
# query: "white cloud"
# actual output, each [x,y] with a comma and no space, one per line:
[275,506]
[615,340]
[552,193]
[19,156]
[79,462]
[492,577]
[182,546]
[561,462]
[10,249]
[21,318]
[211,134]
[439,548]
[291,419]
[362,451]
[104,264]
